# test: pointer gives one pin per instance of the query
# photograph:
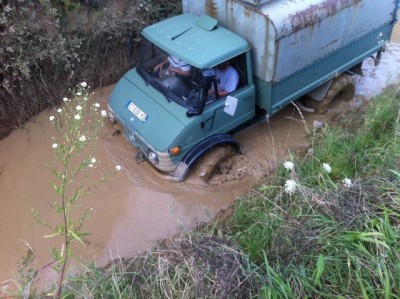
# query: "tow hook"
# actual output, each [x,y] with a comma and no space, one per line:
[140,157]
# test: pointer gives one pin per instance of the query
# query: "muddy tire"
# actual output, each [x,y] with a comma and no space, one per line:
[342,88]
[209,162]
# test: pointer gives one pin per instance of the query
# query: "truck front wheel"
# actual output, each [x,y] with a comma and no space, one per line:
[209,162]
[342,88]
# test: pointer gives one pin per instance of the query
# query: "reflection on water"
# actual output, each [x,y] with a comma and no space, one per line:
[137,207]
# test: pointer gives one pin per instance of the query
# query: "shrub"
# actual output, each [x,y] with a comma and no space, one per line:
[49,46]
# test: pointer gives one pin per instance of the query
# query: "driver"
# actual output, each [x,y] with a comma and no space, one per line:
[175,65]
[227,79]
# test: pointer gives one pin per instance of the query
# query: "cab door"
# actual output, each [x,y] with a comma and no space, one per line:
[217,117]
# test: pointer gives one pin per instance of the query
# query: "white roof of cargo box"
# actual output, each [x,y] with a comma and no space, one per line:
[289,35]
[289,16]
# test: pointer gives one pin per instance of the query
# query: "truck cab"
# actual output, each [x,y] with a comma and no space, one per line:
[174,119]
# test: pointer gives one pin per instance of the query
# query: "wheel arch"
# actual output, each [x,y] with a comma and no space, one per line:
[201,148]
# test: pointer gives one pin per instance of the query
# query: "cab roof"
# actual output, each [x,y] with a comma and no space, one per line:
[198,40]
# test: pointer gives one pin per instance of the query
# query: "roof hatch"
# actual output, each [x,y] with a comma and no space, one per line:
[206,22]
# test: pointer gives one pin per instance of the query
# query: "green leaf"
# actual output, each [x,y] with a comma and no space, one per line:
[266,187]
[76,237]
[57,173]
[58,189]
[387,287]
[320,269]
[362,287]
[395,172]
[82,234]
[52,235]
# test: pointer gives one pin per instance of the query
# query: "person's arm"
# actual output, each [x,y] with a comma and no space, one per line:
[221,93]
[230,84]
[179,71]
[160,66]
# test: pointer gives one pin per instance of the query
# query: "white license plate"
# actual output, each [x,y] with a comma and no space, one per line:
[137,112]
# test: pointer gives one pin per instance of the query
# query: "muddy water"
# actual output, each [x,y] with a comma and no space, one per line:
[137,207]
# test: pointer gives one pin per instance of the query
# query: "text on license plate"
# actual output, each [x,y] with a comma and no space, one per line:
[137,112]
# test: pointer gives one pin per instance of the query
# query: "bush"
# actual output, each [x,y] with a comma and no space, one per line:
[49,46]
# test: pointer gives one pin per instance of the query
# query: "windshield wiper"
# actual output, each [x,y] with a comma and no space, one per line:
[179,34]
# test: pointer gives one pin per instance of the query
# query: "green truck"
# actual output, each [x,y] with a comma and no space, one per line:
[281,50]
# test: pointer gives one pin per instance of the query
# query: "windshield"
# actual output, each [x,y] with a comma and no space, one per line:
[173,77]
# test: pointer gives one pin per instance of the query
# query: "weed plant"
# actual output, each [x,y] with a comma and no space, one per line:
[77,124]
[76,174]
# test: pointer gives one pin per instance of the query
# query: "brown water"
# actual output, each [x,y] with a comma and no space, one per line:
[137,207]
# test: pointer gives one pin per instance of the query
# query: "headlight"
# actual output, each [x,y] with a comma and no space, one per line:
[152,157]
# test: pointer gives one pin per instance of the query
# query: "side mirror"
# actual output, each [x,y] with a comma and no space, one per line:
[207,77]
[230,105]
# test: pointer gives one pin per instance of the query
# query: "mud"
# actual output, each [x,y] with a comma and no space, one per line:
[137,208]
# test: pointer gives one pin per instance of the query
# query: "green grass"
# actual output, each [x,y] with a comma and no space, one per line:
[366,145]
[329,240]
[196,266]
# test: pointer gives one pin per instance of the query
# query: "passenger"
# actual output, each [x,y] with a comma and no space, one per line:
[176,65]
[227,79]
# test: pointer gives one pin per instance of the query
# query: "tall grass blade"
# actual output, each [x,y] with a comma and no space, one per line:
[362,287]
[387,286]
[320,269]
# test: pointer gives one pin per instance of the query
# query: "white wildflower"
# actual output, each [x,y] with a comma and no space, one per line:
[318,124]
[82,138]
[77,117]
[97,105]
[327,167]
[79,108]
[65,99]
[78,93]
[118,168]
[93,160]
[55,145]
[347,182]
[288,165]
[91,165]
[59,110]
[103,113]
[290,186]
[51,118]
[83,84]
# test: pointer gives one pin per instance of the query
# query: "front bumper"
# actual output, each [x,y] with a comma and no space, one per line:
[165,163]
